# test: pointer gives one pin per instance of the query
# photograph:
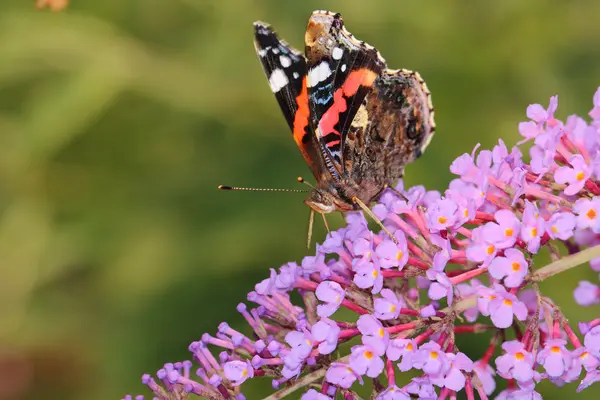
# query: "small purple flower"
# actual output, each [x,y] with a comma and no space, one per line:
[517,363]
[555,358]
[485,373]
[441,287]
[312,394]
[422,387]
[468,289]
[587,294]
[388,305]
[431,359]
[341,374]
[533,227]
[591,340]
[588,213]
[561,225]
[480,250]
[393,393]
[238,371]
[590,378]
[391,254]
[368,275]
[512,267]
[374,334]
[402,348]
[332,294]
[581,358]
[505,232]
[574,176]
[504,306]
[366,360]
[301,344]
[326,332]
[454,378]
[441,215]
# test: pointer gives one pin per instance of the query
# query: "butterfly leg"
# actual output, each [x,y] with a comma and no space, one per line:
[367,210]
[397,193]
[311,218]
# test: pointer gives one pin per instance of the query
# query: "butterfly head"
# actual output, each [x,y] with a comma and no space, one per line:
[324,201]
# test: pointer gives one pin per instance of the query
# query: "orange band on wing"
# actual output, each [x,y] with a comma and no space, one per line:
[301,119]
[360,77]
[356,79]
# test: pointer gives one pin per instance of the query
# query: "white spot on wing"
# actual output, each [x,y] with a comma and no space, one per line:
[295,75]
[337,53]
[262,52]
[343,67]
[318,74]
[278,80]
[275,50]
[285,61]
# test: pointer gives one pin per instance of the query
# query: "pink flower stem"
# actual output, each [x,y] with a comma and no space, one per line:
[423,336]
[389,369]
[455,280]
[348,333]
[354,307]
[418,263]
[469,389]
[444,393]
[401,328]
[392,274]
[572,336]
[484,216]
[481,392]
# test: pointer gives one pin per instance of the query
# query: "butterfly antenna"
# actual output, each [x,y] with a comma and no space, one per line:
[245,189]
[373,217]
[301,180]
[311,219]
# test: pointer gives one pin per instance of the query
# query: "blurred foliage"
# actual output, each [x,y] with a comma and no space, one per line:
[118,119]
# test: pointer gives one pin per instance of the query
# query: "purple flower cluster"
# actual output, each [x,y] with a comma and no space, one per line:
[406,296]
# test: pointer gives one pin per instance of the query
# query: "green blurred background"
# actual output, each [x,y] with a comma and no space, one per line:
[118,119]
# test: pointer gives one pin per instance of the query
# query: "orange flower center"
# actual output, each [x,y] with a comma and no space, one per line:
[442,220]
[491,249]
[515,266]
[409,347]
[519,356]
[591,214]
[393,308]
[375,273]
[381,332]
[434,355]
[555,349]
[507,302]
[580,176]
[554,229]
[534,232]
[508,232]
[399,255]
[368,354]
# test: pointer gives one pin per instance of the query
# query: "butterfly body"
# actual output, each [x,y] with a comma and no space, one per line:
[356,122]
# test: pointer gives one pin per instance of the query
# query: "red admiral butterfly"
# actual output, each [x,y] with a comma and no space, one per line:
[356,123]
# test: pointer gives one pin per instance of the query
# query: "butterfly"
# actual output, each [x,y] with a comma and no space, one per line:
[356,123]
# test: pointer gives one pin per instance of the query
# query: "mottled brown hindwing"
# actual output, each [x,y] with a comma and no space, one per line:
[391,129]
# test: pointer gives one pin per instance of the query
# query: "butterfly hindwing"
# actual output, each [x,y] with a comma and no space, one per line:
[391,129]
[285,68]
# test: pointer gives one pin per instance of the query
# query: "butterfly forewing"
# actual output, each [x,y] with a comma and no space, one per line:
[285,68]
[341,71]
